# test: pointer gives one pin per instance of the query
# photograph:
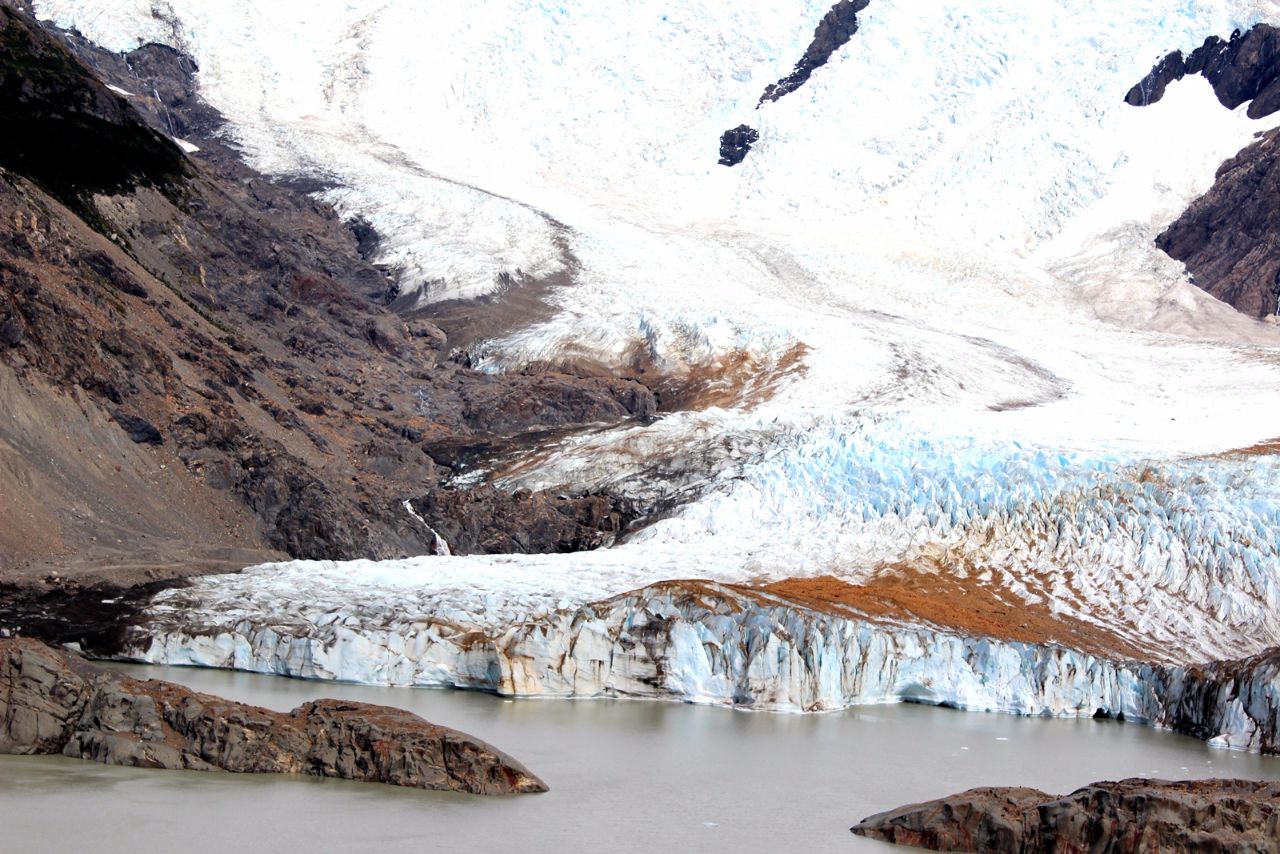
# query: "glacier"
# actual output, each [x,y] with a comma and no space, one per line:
[953,221]
[703,642]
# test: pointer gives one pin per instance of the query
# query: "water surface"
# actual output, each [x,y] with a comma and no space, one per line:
[624,776]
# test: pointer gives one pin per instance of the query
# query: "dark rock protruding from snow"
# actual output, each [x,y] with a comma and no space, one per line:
[1128,816]
[832,33]
[1229,238]
[1244,68]
[52,703]
[734,144]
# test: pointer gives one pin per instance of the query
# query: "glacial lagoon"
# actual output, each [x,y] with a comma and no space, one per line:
[624,776]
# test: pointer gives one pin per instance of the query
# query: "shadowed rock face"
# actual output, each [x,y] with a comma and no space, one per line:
[1229,238]
[51,703]
[68,134]
[489,521]
[1128,816]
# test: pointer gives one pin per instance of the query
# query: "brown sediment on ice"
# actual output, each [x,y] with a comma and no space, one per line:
[1258,449]
[962,604]
[738,379]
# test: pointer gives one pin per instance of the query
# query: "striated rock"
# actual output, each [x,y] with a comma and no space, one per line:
[1128,816]
[51,703]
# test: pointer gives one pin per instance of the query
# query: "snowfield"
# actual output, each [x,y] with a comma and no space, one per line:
[954,217]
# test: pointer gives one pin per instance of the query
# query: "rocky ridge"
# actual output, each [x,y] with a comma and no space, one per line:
[1229,238]
[1127,816]
[52,703]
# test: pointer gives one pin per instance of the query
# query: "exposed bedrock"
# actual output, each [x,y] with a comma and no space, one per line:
[1229,238]
[1245,67]
[711,643]
[735,144]
[52,703]
[832,33]
[1127,816]
[486,520]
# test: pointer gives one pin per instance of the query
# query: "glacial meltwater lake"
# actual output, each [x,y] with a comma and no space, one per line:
[624,775]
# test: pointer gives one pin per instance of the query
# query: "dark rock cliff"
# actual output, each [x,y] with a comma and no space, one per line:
[735,144]
[1245,67]
[1230,237]
[51,703]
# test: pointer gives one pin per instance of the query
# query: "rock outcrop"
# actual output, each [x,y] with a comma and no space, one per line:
[1128,816]
[1229,238]
[485,520]
[832,33]
[51,703]
[1245,67]
[735,144]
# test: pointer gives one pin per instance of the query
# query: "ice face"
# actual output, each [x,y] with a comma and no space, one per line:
[704,643]
[954,217]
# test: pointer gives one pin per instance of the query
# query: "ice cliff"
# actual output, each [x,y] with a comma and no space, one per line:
[707,643]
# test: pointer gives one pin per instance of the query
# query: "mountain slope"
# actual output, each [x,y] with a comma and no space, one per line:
[198,363]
